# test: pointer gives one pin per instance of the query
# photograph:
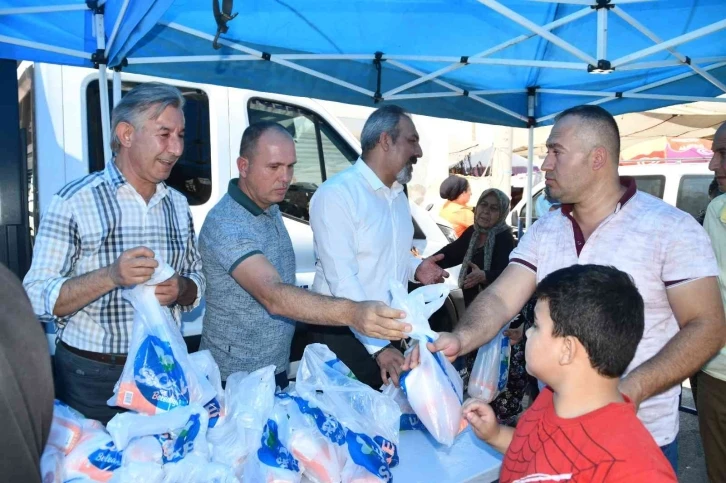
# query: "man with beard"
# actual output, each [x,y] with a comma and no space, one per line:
[252,302]
[363,237]
[101,234]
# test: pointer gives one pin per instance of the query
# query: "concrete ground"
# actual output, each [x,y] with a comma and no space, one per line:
[691,465]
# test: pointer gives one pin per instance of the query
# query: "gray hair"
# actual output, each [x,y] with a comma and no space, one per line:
[251,137]
[383,120]
[143,102]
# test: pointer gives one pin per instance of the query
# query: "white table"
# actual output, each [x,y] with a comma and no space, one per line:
[423,460]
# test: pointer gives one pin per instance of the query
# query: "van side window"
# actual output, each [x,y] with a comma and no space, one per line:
[651,184]
[192,174]
[321,152]
[693,193]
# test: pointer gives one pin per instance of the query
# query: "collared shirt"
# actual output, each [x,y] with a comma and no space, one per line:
[658,245]
[715,225]
[363,235]
[88,225]
[239,331]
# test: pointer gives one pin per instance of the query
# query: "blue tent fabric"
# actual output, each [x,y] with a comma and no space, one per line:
[448,28]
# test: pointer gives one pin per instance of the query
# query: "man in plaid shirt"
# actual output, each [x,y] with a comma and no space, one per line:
[100,234]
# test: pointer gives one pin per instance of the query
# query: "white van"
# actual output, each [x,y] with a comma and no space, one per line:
[60,113]
[680,184]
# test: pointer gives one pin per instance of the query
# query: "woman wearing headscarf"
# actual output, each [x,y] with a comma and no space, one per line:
[483,252]
[457,193]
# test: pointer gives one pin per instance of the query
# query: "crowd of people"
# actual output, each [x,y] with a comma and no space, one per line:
[617,297]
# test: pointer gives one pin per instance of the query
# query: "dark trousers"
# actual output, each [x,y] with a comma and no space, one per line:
[350,350]
[86,385]
[711,405]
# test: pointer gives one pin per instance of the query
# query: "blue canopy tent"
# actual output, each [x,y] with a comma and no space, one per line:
[515,63]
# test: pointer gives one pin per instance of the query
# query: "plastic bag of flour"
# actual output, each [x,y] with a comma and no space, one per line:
[158,375]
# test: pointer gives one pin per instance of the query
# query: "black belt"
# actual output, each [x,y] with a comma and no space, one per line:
[96,356]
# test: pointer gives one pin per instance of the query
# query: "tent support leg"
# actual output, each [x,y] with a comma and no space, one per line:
[530,161]
[116,88]
[103,89]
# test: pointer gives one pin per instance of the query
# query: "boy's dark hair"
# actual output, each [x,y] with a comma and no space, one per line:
[602,308]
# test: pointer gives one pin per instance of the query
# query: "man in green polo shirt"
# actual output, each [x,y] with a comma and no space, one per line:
[252,303]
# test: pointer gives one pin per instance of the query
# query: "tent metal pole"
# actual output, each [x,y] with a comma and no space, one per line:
[602,33]
[499,92]
[192,58]
[528,24]
[458,65]
[530,161]
[661,97]
[696,34]
[46,47]
[53,9]
[103,90]
[116,88]
[431,95]
[116,26]
[645,31]
[498,107]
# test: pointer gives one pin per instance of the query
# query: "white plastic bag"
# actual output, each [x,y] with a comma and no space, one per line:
[419,305]
[370,418]
[273,461]
[94,458]
[66,428]
[157,376]
[204,364]
[409,420]
[491,369]
[190,420]
[137,472]
[434,388]
[249,399]
[316,439]
[51,465]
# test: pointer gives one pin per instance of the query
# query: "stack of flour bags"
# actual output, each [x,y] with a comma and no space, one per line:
[182,427]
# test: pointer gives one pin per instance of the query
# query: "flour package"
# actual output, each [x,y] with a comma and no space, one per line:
[370,418]
[205,366]
[158,375]
[94,458]
[434,388]
[67,427]
[249,401]
[491,369]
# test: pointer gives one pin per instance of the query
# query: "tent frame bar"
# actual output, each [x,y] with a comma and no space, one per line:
[271,58]
[545,34]
[45,47]
[682,58]
[497,48]
[50,9]
[116,27]
[682,39]
[640,89]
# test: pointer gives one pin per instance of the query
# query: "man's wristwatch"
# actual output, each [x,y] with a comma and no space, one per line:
[376,354]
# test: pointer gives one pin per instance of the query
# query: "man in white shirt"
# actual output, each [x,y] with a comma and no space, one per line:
[363,235]
[604,220]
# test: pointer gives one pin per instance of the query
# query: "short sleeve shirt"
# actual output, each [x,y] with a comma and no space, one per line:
[240,333]
[658,245]
[715,225]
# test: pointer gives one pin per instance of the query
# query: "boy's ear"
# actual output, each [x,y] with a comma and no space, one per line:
[568,351]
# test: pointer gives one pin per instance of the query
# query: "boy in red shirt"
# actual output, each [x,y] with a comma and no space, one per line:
[588,323]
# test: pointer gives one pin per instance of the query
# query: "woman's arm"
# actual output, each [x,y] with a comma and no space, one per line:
[454,252]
